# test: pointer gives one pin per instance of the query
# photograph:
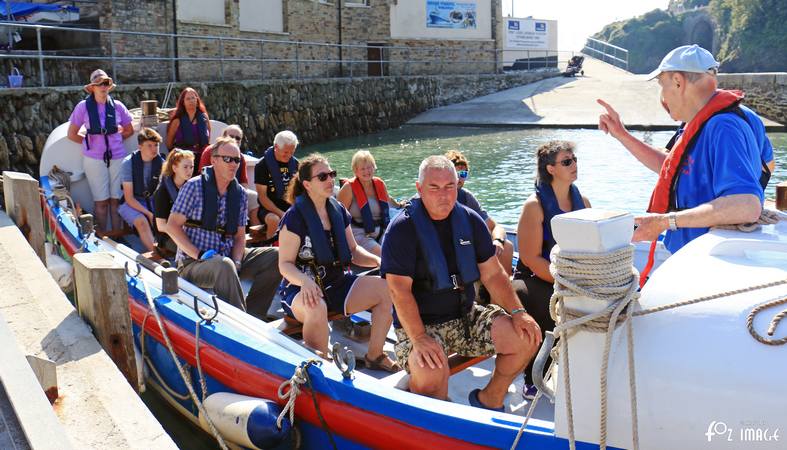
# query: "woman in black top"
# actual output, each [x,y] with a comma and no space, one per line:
[176,170]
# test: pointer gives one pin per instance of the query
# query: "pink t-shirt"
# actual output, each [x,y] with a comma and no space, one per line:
[80,117]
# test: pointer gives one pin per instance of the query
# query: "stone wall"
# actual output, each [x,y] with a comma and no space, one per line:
[316,110]
[765,92]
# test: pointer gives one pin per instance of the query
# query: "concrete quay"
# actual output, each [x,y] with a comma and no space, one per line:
[562,102]
[96,407]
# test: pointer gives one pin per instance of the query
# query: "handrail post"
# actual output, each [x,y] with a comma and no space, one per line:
[297,60]
[112,54]
[172,58]
[41,76]
[221,58]
[262,59]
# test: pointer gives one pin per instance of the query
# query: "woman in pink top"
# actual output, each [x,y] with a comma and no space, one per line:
[107,122]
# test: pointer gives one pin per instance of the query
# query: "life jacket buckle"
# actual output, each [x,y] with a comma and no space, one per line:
[455,282]
[103,130]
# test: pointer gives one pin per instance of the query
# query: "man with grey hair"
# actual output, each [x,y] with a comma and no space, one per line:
[710,172]
[272,176]
[208,223]
[431,283]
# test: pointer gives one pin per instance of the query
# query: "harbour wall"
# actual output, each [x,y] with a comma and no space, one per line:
[765,92]
[317,110]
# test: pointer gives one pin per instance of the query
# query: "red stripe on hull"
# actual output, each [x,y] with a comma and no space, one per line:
[367,428]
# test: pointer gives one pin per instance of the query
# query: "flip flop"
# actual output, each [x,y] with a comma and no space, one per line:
[377,364]
[472,398]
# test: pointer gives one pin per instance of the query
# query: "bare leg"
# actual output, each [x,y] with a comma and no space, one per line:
[513,354]
[117,223]
[372,293]
[428,381]
[271,223]
[100,209]
[253,219]
[145,234]
[315,323]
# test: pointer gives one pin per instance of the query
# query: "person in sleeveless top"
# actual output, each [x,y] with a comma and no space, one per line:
[316,247]
[369,225]
[555,194]
[189,124]
[107,123]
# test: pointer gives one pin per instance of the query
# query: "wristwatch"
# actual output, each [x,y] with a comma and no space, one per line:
[673,221]
[500,240]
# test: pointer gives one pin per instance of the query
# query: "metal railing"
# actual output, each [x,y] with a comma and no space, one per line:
[612,54]
[165,57]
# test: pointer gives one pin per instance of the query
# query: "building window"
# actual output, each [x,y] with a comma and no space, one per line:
[261,16]
[356,2]
[202,11]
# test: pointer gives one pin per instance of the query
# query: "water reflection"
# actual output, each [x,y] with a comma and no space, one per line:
[502,163]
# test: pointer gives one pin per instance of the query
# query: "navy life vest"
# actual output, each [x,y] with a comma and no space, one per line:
[210,204]
[110,123]
[145,188]
[169,185]
[440,280]
[273,168]
[551,207]
[363,204]
[187,132]
[320,245]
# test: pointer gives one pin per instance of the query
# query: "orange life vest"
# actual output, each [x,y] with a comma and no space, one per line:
[363,204]
[662,199]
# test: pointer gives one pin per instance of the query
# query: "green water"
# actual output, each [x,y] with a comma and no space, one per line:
[502,163]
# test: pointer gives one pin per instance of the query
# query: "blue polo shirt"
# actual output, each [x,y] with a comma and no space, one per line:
[725,160]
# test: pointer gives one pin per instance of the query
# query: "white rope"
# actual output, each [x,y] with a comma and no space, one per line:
[294,383]
[532,408]
[608,277]
[183,374]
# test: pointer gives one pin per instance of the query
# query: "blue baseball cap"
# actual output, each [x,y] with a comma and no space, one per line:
[686,58]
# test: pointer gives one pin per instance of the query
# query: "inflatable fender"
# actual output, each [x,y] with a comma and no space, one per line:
[246,421]
[59,268]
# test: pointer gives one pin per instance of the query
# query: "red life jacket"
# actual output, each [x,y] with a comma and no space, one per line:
[363,204]
[662,199]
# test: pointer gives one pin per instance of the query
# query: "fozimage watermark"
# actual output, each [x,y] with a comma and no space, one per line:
[747,431]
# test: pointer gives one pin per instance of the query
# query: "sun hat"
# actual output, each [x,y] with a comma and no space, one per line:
[97,77]
[686,58]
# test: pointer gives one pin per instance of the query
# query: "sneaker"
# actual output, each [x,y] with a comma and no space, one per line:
[529,391]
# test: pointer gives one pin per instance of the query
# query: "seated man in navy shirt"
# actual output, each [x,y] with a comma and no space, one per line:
[431,283]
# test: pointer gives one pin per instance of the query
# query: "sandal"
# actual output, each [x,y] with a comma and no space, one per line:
[382,362]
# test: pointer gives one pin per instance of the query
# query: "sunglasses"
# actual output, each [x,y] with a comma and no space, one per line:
[463,174]
[229,159]
[104,83]
[568,161]
[237,138]
[324,176]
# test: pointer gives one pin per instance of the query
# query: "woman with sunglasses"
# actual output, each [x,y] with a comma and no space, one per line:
[555,194]
[316,247]
[107,123]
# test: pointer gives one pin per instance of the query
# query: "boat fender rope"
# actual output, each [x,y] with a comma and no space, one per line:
[186,379]
[532,408]
[299,378]
[161,381]
[774,322]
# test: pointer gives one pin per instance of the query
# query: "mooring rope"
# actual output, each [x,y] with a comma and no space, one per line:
[298,379]
[181,371]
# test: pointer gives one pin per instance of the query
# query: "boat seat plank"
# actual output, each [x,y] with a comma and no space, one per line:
[290,326]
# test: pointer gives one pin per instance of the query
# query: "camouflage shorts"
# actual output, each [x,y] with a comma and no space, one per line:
[451,335]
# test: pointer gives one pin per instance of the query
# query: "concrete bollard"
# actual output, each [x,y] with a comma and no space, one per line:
[102,299]
[23,204]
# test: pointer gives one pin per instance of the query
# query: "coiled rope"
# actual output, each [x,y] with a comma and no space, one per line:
[298,379]
[608,277]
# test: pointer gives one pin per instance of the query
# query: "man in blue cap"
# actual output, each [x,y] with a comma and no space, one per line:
[711,171]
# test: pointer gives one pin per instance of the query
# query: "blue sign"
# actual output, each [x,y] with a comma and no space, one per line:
[442,14]
[513,25]
[541,26]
